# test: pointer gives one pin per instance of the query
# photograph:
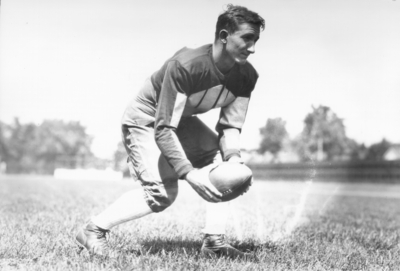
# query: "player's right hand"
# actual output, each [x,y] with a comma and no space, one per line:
[200,182]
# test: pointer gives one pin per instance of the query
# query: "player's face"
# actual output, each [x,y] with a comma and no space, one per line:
[242,42]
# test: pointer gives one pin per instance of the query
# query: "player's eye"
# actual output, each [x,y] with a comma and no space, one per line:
[249,38]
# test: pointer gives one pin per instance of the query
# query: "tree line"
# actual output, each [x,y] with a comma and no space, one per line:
[41,148]
[32,148]
[323,138]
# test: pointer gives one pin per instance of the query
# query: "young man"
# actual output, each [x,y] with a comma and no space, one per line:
[162,118]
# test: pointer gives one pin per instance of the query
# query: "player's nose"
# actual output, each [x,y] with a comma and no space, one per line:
[252,48]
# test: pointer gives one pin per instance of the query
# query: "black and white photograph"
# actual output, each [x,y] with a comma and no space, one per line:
[200,135]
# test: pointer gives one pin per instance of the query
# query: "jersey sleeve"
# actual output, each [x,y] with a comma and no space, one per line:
[232,118]
[230,124]
[171,103]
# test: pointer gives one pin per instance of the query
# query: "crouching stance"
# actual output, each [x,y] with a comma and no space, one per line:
[165,141]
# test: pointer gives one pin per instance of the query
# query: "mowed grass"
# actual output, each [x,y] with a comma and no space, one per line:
[288,225]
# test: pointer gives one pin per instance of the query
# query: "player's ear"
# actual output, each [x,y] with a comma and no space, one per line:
[223,34]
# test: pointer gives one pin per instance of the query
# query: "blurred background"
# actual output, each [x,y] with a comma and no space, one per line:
[327,97]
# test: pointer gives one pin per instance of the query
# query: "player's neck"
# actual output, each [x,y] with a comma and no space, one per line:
[221,60]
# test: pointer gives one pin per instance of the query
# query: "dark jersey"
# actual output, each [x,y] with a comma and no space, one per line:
[187,84]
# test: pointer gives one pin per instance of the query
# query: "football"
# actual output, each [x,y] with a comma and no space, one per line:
[231,179]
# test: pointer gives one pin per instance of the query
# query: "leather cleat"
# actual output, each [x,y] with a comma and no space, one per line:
[215,246]
[94,239]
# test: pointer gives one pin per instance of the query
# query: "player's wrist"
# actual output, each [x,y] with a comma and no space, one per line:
[230,154]
[186,177]
[183,170]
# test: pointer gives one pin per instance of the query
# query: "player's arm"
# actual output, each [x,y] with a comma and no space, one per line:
[171,104]
[229,127]
[232,118]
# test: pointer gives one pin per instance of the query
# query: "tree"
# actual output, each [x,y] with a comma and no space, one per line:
[31,148]
[3,145]
[273,135]
[358,151]
[120,159]
[323,136]
[19,145]
[376,151]
[64,144]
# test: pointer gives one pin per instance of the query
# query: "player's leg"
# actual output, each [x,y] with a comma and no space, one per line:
[201,146]
[157,194]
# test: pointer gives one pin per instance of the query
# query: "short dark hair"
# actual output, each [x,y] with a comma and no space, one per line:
[233,16]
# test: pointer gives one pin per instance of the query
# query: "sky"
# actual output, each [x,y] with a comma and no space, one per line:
[84,60]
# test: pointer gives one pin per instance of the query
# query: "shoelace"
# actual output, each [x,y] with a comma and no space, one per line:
[102,237]
[216,240]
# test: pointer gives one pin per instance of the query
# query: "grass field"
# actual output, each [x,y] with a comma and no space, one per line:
[289,225]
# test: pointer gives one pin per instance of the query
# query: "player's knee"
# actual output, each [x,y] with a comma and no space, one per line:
[161,198]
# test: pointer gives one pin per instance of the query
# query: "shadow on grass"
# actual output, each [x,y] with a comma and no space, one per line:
[192,247]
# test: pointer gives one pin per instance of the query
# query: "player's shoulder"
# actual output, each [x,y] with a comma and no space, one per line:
[193,59]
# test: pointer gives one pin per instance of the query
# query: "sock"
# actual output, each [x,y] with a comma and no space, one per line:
[216,217]
[129,206]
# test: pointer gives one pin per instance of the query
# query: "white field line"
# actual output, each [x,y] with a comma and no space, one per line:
[299,209]
[322,209]
[300,206]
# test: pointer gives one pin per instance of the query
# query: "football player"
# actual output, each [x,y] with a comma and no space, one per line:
[162,118]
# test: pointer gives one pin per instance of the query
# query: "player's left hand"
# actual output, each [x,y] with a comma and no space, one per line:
[199,180]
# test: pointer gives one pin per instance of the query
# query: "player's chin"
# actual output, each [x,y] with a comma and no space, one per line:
[241,60]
